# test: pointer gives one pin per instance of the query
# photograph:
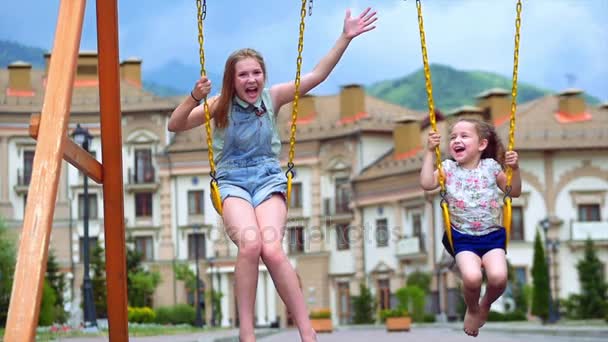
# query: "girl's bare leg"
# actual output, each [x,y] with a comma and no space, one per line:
[272,215]
[495,264]
[242,228]
[469,264]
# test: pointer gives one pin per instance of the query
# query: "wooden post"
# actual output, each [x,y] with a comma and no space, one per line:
[40,207]
[111,142]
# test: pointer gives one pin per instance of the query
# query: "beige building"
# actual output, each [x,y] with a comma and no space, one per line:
[357,214]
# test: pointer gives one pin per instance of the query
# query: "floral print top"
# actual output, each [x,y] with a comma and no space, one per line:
[473,196]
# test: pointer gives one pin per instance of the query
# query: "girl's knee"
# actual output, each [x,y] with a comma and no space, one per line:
[273,253]
[497,279]
[471,278]
[251,248]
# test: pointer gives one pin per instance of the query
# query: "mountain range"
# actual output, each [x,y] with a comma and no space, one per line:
[452,88]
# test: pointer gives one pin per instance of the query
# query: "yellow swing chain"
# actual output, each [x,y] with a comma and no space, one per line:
[201,6]
[433,121]
[507,209]
[294,112]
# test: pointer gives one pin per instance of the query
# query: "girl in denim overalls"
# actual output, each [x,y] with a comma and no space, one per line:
[252,185]
[473,180]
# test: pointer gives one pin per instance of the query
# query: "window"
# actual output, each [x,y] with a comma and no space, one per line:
[381,233]
[417,225]
[192,246]
[517,223]
[384,294]
[196,200]
[589,212]
[342,195]
[521,275]
[296,240]
[296,195]
[144,172]
[343,240]
[92,246]
[28,163]
[143,204]
[145,247]
[92,206]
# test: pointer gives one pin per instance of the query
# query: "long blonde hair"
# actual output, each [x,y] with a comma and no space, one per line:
[225,100]
[485,130]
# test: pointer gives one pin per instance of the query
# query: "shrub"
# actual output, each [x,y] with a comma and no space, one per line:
[178,314]
[389,313]
[363,306]
[320,314]
[141,315]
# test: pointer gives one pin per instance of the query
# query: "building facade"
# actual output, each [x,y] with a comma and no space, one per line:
[357,213]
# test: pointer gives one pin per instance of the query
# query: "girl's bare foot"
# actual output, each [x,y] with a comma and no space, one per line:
[484,311]
[471,322]
[310,337]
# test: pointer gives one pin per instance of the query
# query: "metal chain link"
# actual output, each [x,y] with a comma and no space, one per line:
[201,6]
[429,94]
[509,171]
[294,111]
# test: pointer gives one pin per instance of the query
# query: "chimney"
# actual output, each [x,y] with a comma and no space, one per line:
[497,103]
[571,102]
[352,103]
[572,107]
[130,71]
[406,137]
[306,109]
[20,78]
[86,69]
[467,112]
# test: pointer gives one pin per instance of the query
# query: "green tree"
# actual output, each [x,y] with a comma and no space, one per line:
[592,300]
[56,280]
[540,281]
[48,312]
[363,306]
[412,298]
[98,281]
[141,283]
[420,279]
[7,270]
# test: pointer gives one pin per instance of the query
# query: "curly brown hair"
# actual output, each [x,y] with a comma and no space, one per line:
[485,130]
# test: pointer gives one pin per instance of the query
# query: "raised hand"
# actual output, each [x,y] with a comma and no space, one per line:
[511,159]
[356,25]
[202,88]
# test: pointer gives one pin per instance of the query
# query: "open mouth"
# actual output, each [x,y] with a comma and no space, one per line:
[459,149]
[251,91]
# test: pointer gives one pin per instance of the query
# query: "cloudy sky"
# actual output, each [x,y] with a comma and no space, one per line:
[564,42]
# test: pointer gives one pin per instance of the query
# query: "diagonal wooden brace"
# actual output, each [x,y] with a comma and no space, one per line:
[73,153]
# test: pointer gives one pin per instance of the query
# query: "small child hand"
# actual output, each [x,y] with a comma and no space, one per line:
[434,140]
[511,159]
[202,88]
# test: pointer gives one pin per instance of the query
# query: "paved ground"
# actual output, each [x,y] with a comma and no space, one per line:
[494,332]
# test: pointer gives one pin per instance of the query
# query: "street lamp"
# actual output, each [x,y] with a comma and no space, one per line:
[83,138]
[198,321]
[550,245]
[211,294]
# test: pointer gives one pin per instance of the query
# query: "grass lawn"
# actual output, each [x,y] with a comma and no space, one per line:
[134,330]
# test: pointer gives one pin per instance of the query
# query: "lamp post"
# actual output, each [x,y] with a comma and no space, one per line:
[550,245]
[211,301]
[83,138]
[198,321]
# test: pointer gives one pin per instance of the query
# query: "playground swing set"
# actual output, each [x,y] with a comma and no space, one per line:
[50,130]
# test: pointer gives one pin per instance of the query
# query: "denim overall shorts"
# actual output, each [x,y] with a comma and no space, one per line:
[248,168]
